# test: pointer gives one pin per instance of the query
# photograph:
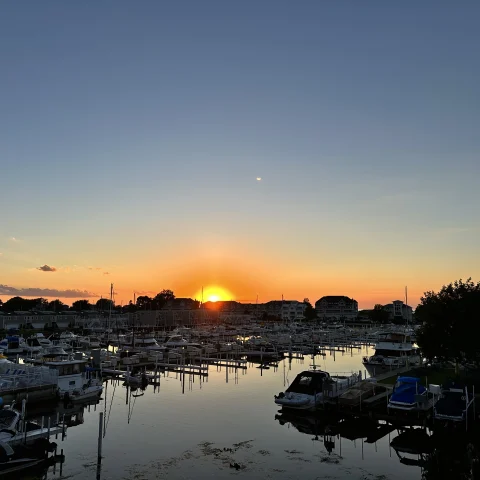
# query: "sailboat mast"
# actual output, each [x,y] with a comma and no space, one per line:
[406,303]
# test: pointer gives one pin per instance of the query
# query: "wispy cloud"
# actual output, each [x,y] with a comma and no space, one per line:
[44,292]
[106,273]
[47,268]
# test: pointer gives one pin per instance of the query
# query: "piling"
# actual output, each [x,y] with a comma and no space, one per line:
[100,437]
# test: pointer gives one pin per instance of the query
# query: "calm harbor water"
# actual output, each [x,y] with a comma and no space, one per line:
[193,428]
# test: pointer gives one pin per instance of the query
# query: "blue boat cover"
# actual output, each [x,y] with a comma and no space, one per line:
[405,391]
[408,379]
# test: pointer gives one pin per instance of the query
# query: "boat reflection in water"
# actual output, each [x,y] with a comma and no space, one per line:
[332,427]
[412,446]
[437,453]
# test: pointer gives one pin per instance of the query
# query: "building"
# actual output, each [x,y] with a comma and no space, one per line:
[399,311]
[336,307]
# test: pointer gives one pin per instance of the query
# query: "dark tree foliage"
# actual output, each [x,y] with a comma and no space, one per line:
[378,314]
[104,304]
[450,328]
[309,313]
[81,305]
[144,302]
[24,304]
[56,306]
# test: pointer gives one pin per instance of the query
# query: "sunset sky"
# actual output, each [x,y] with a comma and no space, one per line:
[254,148]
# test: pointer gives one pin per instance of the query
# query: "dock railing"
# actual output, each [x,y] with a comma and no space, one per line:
[25,376]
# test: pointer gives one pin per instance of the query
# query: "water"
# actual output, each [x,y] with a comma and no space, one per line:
[180,430]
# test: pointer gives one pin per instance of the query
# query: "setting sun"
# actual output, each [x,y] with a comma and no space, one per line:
[213,293]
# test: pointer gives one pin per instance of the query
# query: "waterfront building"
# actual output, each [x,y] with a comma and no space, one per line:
[336,307]
[399,311]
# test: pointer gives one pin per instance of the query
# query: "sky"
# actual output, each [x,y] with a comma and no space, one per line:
[132,135]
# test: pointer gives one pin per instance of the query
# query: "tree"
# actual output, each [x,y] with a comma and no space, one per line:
[378,314]
[450,329]
[81,305]
[104,304]
[18,303]
[56,306]
[130,308]
[162,298]
[144,302]
[309,313]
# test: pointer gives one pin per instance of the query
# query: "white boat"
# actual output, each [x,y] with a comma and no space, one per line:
[176,341]
[89,342]
[92,389]
[15,429]
[311,388]
[393,350]
[32,345]
[142,342]
[72,377]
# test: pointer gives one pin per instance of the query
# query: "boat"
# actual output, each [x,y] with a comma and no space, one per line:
[15,429]
[72,377]
[310,388]
[90,390]
[32,345]
[392,351]
[23,457]
[89,342]
[354,396]
[142,342]
[12,345]
[136,380]
[407,394]
[453,404]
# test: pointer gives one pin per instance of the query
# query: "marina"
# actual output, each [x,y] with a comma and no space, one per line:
[222,411]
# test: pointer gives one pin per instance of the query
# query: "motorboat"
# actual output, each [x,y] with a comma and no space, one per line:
[453,404]
[142,342]
[355,395]
[392,351]
[32,345]
[407,394]
[12,345]
[89,342]
[15,429]
[24,457]
[90,390]
[311,388]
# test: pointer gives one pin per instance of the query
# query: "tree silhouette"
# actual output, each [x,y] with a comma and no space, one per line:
[450,329]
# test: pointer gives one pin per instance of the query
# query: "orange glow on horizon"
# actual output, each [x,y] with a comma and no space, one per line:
[214,293]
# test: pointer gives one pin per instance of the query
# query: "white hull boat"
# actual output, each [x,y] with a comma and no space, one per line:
[311,388]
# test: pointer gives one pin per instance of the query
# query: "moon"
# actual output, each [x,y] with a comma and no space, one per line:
[259,179]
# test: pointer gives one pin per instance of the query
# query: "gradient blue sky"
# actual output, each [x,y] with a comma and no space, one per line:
[132,133]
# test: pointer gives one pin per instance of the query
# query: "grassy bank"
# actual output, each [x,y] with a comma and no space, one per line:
[439,376]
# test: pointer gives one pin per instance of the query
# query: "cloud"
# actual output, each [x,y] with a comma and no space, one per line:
[47,268]
[144,292]
[106,273]
[44,292]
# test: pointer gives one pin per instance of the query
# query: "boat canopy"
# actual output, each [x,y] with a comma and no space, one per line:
[308,383]
[408,380]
